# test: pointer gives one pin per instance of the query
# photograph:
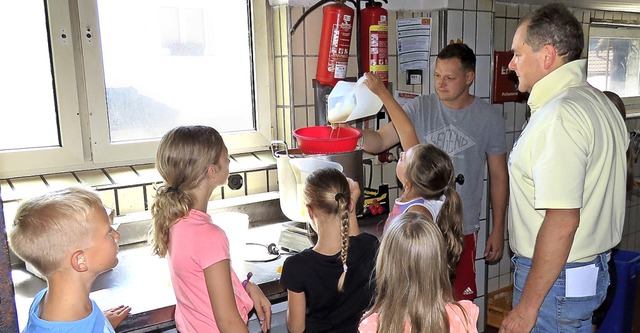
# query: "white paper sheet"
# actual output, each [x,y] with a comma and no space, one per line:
[581,281]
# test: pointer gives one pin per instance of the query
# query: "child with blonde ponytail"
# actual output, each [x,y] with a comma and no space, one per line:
[193,161]
[413,287]
[329,285]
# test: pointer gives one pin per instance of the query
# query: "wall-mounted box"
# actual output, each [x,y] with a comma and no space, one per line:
[505,81]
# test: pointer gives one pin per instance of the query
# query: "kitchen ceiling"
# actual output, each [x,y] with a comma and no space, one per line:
[610,5]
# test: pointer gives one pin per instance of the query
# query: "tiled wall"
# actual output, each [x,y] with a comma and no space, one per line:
[469,21]
[130,189]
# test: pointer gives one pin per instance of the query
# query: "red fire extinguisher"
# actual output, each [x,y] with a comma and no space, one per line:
[335,39]
[374,47]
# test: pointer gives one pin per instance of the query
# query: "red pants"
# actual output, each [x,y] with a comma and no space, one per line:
[464,283]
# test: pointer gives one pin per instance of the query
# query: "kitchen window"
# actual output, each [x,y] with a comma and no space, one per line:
[95,83]
[614,60]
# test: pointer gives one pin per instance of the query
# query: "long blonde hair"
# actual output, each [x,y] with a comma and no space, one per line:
[327,191]
[431,174]
[183,156]
[412,279]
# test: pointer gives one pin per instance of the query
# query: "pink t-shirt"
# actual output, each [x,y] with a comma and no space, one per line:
[195,243]
[456,319]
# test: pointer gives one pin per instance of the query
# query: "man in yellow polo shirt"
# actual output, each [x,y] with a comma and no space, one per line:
[567,180]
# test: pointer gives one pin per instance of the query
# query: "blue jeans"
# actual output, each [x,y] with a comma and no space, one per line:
[559,313]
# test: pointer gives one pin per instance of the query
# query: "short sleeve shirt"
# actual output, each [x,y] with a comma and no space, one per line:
[317,275]
[195,243]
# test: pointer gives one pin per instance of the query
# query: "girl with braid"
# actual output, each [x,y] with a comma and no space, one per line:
[329,286]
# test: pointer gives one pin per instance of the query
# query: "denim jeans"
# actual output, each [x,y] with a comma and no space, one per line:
[559,313]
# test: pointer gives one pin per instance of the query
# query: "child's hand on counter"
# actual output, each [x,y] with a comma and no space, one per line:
[261,304]
[115,316]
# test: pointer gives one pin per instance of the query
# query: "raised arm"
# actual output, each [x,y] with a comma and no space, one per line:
[403,125]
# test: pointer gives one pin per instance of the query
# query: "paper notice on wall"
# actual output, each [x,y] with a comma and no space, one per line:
[414,42]
[402,97]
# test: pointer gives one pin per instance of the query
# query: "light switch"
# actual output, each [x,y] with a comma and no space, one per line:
[414,76]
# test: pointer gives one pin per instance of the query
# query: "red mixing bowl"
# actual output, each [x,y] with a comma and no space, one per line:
[325,140]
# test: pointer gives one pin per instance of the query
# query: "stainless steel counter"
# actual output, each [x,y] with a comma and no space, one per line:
[142,280]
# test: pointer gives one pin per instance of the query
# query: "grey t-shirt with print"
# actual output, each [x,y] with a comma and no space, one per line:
[467,135]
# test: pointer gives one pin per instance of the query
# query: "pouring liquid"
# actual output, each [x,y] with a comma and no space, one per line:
[335,128]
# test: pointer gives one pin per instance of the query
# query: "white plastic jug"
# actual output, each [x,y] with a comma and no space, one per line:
[350,101]
[302,168]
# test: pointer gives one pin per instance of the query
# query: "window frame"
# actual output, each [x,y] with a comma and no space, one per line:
[632,103]
[81,103]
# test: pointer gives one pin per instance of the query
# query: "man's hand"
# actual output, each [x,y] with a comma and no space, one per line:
[519,320]
[116,315]
[261,304]
[495,246]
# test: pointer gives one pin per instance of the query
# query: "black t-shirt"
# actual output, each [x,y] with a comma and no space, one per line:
[317,276]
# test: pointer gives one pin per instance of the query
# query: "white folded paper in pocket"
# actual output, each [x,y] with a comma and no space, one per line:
[581,281]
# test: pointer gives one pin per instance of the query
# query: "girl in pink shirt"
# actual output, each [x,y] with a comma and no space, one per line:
[414,291]
[193,161]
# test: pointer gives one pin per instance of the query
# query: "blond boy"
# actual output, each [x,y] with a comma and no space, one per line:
[67,236]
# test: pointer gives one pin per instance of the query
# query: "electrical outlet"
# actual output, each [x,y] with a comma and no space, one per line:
[235,182]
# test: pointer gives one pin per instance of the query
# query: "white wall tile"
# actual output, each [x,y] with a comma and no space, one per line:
[509,114]
[297,39]
[511,27]
[500,9]
[630,16]
[480,302]
[499,35]
[312,32]
[486,5]
[470,4]
[454,25]
[484,33]
[506,280]
[279,81]
[435,36]
[480,277]
[597,14]
[511,137]
[481,242]
[483,76]
[521,115]
[493,284]
[512,10]
[505,261]
[299,81]
[456,4]
[311,66]
[469,29]
[524,10]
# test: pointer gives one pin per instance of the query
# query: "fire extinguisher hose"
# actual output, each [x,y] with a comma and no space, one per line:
[307,12]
